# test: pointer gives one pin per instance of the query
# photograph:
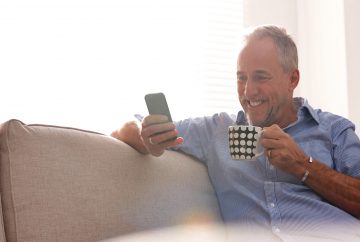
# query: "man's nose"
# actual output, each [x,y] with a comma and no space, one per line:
[251,89]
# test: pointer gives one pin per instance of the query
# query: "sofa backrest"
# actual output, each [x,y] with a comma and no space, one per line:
[65,184]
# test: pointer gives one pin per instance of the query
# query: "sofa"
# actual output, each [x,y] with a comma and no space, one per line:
[67,184]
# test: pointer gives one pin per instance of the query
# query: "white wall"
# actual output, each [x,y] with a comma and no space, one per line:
[62,50]
[352,19]
[322,54]
[327,36]
[88,64]
[280,12]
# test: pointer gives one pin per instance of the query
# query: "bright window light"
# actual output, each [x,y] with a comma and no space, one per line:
[88,64]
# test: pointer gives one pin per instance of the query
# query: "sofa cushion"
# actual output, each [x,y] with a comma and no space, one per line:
[66,184]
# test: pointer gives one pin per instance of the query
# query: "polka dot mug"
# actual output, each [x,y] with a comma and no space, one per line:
[244,142]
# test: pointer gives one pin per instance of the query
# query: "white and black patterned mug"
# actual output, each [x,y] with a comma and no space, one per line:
[244,142]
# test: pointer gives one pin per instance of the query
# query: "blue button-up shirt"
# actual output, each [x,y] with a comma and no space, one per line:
[255,193]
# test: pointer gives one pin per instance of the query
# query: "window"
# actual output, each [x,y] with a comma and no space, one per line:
[88,64]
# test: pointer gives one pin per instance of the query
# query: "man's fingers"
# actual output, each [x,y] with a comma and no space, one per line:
[154,119]
[159,134]
[158,149]
[157,129]
[168,143]
[159,138]
[272,132]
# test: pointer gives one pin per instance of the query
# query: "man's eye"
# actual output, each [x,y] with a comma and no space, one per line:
[242,78]
[261,78]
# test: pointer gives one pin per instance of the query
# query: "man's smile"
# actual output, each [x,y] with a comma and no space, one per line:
[255,103]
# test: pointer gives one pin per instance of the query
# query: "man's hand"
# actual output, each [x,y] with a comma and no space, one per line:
[153,136]
[158,134]
[283,152]
[130,134]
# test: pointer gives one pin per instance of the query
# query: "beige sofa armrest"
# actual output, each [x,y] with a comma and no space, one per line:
[65,184]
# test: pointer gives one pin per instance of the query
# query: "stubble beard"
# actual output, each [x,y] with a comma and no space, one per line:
[268,121]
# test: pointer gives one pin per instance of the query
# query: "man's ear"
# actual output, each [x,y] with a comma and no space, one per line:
[294,79]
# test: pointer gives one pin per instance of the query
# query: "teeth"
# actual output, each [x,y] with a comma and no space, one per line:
[255,103]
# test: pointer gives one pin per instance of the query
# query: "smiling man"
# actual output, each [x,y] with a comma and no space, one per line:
[265,87]
[307,182]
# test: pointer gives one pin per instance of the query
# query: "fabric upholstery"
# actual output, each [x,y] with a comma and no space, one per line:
[65,184]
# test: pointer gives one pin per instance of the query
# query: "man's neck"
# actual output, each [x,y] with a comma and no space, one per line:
[292,115]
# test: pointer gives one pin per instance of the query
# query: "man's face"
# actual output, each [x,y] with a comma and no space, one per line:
[265,90]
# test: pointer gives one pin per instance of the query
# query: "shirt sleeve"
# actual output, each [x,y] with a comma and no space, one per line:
[346,149]
[198,133]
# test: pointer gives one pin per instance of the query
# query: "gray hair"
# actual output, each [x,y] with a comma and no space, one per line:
[287,50]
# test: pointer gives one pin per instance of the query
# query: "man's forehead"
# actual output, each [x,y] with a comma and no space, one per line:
[258,56]
[259,71]
[256,46]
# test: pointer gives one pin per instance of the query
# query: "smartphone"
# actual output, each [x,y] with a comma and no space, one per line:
[156,104]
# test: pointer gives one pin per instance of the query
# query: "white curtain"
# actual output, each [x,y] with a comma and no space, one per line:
[89,63]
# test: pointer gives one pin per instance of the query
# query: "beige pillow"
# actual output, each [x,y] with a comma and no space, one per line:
[66,184]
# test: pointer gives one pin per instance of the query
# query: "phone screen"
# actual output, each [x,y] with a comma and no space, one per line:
[156,104]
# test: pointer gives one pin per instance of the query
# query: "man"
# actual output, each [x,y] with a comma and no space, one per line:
[307,181]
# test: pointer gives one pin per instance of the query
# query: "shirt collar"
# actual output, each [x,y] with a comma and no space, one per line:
[305,108]
[303,105]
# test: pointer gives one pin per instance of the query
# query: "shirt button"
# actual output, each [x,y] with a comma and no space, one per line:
[272,205]
[276,229]
[272,167]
